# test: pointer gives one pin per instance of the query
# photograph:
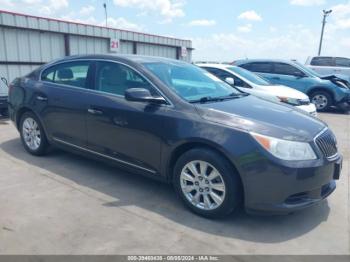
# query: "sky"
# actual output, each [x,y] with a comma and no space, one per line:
[220,30]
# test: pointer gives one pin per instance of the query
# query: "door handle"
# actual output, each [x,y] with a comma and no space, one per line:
[276,78]
[94,111]
[41,98]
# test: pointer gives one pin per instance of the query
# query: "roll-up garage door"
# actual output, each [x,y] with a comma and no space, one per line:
[156,50]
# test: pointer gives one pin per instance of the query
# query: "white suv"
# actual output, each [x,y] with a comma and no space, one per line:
[327,65]
[253,84]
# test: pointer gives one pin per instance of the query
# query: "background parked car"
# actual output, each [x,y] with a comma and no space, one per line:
[3,96]
[253,84]
[324,91]
[328,65]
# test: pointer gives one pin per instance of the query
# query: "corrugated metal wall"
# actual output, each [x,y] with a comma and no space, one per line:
[156,50]
[81,45]
[20,45]
[32,40]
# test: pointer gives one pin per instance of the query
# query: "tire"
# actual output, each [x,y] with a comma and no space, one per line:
[30,130]
[322,100]
[228,181]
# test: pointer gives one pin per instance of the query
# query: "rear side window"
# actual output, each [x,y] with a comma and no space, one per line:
[322,61]
[260,67]
[343,62]
[72,74]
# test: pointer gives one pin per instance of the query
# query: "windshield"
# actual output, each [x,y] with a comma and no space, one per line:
[190,82]
[307,70]
[255,79]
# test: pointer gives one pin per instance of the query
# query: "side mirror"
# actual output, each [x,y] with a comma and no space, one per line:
[143,95]
[230,81]
[3,79]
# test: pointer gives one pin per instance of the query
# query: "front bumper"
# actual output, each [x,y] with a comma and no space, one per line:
[310,109]
[344,103]
[278,189]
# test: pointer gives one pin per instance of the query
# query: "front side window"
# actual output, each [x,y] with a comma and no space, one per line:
[190,82]
[322,61]
[71,73]
[115,79]
[223,75]
[285,69]
[342,62]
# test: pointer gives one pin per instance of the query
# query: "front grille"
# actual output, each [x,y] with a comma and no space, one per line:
[327,143]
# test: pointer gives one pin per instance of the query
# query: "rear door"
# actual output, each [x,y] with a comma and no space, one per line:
[62,96]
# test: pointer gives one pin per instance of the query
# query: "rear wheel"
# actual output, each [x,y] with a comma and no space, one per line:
[207,183]
[32,134]
[322,100]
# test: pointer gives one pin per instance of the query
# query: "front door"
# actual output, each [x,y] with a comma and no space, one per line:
[128,132]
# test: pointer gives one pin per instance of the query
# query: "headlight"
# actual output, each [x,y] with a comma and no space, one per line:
[341,84]
[288,100]
[285,149]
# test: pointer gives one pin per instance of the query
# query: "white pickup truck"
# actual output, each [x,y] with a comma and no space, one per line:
[328,65]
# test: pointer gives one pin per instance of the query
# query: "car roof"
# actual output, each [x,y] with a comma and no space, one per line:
[222,66]
[118,57]
[244,61]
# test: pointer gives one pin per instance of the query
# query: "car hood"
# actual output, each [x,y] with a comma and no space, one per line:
[284,91]
[253,114]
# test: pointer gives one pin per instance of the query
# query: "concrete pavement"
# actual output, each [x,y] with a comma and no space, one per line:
[66,204]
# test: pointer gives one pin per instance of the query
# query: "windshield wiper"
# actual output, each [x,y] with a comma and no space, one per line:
[219,98]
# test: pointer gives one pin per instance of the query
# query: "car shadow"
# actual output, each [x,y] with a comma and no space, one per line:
[133,190]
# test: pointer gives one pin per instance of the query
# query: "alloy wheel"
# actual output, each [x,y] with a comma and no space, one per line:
[203,185]
[31,133]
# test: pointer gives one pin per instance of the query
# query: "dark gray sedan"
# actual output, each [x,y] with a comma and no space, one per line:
[173,121]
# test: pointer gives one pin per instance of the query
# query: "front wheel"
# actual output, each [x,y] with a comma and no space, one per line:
[207,183]
[322,100]
[32,134]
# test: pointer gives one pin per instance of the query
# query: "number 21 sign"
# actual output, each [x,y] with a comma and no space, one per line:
[114,45]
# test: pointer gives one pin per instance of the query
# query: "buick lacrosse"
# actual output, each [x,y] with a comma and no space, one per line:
[170,120]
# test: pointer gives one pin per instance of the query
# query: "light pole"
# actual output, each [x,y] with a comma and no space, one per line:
[325,14]
[105,7]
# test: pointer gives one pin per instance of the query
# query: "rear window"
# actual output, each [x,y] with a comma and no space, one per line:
[322,61]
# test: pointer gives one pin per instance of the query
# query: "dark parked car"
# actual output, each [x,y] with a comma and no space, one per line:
[174,121]
[324,91]
[3,96]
